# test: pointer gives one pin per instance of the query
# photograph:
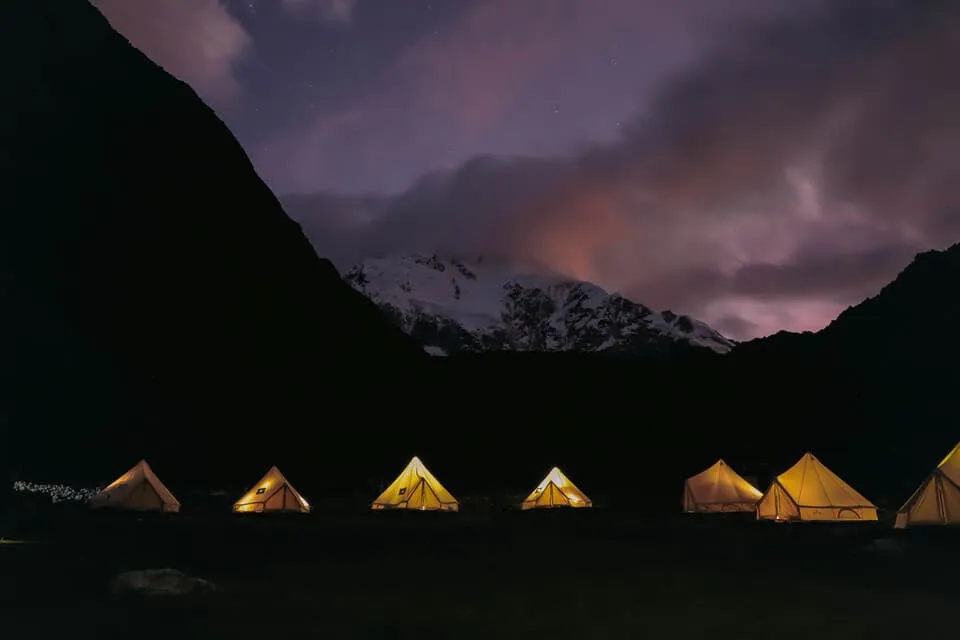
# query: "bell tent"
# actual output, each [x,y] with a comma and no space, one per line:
[556,490]
[273,493]
[139,489]
[719,489]
[416,488]
[937,500]
[809,491]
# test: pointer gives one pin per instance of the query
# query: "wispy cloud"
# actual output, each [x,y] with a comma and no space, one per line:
[786,174]
[196,40]
[501,77]
[333,12]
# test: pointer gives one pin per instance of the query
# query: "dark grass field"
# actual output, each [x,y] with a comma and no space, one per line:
[560,574]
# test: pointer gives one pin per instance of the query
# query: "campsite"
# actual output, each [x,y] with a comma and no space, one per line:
[413,563]
[488,319]
[808,491]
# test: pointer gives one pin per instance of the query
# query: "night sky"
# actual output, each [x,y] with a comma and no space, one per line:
[759,164]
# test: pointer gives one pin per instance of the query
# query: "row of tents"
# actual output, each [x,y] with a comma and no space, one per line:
[807,491]
[416,488]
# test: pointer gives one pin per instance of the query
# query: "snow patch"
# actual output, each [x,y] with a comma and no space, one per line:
[453,305]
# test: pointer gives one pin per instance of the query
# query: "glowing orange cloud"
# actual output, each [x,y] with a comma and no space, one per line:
[570,243]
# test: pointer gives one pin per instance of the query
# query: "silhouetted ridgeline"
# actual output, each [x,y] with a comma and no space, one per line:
[154,293]
[873,394]
[158,303]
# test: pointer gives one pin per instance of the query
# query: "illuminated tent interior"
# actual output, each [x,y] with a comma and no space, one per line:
[556,490]
[937,500]
[416,488]
[809,491]
[139,489]
[272,493]
[719,489]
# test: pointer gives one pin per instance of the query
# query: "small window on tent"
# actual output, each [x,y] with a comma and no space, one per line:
[261,490]
[402,491]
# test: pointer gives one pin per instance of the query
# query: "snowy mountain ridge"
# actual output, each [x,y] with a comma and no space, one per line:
[453,306]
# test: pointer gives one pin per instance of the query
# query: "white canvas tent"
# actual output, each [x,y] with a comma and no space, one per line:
[272,493]
[556,490]
[809,491]
[418,489]
[937,500]
[139,489]
[719,489]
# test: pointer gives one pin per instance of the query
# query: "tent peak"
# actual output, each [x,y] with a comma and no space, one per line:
[950,455]
[719,488]
[416,488]
[809,490]
[937,500]
[139,489]
[273,492]
[556,490]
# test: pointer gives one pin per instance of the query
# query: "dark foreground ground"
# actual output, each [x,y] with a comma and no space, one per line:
[511,575]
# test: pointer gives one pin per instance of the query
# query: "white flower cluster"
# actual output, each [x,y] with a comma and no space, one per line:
[57,492]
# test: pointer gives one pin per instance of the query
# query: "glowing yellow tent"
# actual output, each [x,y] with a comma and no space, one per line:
[937,501]
[272,493]
[719,488]
[139,489]
[809,491]
[556,490]
[416,488]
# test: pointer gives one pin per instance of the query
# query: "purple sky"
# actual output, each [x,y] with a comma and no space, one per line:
[760,164]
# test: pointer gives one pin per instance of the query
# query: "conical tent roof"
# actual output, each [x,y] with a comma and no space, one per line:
[719,488]
[556,490]
[937,500]
[810,491]
[416,488]
[138,489]
[950,465]
[272,493]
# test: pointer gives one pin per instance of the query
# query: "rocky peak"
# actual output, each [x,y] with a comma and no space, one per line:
[456,306]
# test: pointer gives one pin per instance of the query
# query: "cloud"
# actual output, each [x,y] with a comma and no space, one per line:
[332,12]
[501,49]
[813,273]
[197,41]
[472,70]
[496,77]
[786,173]
[336,224]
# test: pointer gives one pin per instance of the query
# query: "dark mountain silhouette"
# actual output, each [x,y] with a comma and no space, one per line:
[890,365]
[156,302]
[872,394]
[156,299]
[919,306]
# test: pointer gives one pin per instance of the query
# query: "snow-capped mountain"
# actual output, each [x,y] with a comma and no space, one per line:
[453,306]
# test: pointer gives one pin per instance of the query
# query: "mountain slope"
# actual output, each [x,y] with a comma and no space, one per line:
[153,288]
[896,324]
[922,299]
[456,307]
[873,395]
